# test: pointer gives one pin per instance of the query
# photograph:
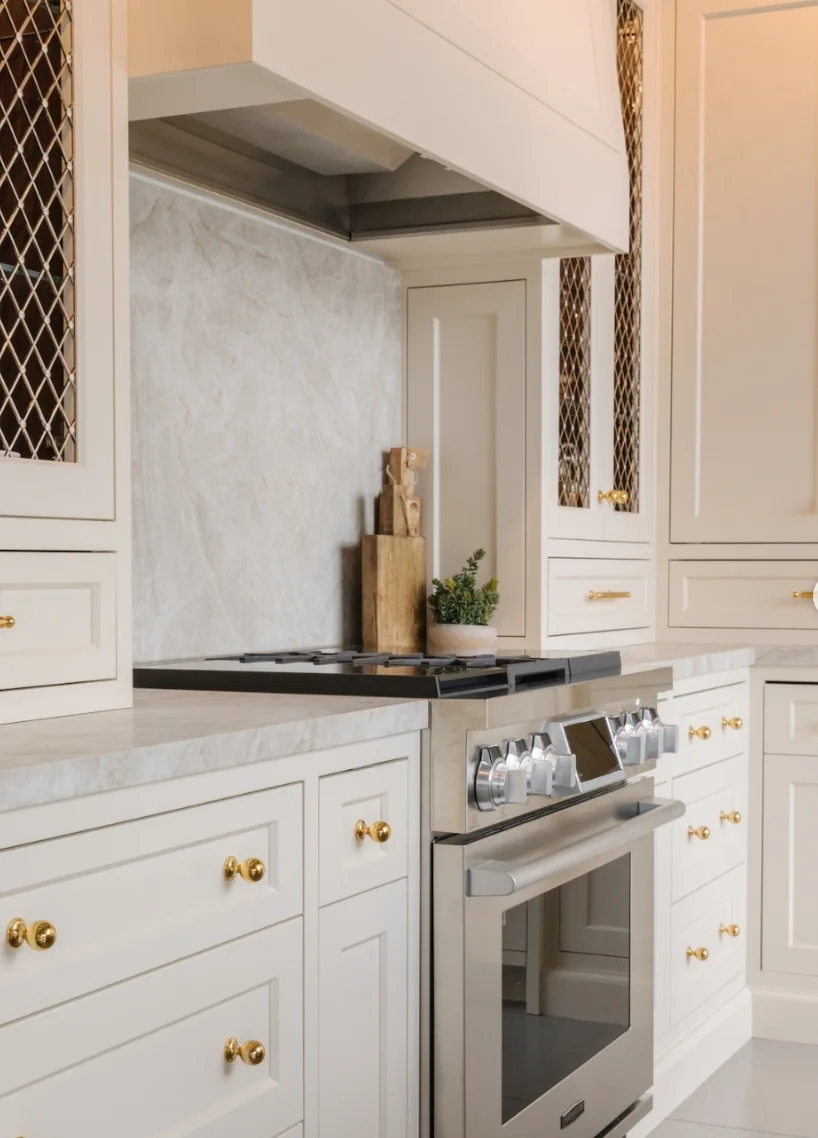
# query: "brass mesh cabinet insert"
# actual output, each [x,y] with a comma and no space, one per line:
[575,383]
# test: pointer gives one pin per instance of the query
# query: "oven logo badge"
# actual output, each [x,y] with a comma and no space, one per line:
[572,1114]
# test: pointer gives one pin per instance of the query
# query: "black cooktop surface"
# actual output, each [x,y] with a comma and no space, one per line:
[359,672]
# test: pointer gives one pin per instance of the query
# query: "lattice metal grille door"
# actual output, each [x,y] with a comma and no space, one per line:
[37,336]
[575,383]
[628,266]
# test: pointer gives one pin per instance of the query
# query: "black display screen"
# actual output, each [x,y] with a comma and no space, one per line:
[592,744]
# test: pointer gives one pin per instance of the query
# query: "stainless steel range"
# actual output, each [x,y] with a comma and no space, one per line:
[538,821]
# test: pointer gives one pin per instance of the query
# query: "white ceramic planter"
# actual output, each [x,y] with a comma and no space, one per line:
[461,639]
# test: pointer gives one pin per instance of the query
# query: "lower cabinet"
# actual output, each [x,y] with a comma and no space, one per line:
[363,987]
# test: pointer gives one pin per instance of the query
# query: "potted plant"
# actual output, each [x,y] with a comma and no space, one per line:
[462,612]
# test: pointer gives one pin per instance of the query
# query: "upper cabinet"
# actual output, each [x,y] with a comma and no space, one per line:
[745,355]
[479,116]
[56,258]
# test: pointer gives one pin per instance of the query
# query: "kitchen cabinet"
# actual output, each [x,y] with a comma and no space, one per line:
[363,1059]
[745,276]
[64,452]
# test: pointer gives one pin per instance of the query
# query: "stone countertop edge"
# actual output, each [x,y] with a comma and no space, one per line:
[169,735]
[688,660]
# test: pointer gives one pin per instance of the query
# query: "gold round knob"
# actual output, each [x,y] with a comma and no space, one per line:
[378,831]
[702,832]
[698,953]
[699,732]
[735,724]
[615,497]
[729,930]
[41,935]
[7,622]
[253,869]
[252,1053]
[733,817]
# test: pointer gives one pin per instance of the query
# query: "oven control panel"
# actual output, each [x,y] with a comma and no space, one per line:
[570,756]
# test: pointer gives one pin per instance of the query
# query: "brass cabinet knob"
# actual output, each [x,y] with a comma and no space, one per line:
[699,733]
[41,935]
[732,816]
[702,832]
[729,930]
[378,831]
[615,497]
[698,953]
[608,595]
[7,622]
[735,724]
[803,596]
[252,1053]
[253,869]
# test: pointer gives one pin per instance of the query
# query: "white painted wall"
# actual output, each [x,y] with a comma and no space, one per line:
[267,383]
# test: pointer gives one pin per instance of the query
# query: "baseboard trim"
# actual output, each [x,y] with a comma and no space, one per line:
[789,1016]
[683,1069]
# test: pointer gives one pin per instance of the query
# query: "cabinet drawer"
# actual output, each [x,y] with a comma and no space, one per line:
[64,610]
[146,1057]
[712,725]
[138,895]
[695,924]
[736,594]
[571,583]
[716,800]
[791,719]
[374,794]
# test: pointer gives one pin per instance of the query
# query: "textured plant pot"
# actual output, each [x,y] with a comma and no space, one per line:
[461,639]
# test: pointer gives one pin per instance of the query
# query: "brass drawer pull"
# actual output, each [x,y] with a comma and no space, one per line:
[615,497]
[253,869]
[701,954]
[731,816]
[729,930]
[608,595]
[699,733]
[7,622]
[735,724]
[379,832]
[252,1053]
[41,935]
[804,596]
[703,832]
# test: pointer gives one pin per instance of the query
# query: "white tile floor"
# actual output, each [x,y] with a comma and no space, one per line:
[767,1088]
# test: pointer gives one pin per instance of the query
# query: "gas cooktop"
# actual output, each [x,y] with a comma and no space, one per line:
[355,671]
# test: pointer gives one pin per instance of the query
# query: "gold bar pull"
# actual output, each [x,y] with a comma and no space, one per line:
[7,622]
[608,595]
[615,497]
[804,596]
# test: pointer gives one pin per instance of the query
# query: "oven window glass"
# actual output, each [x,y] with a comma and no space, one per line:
[566,981]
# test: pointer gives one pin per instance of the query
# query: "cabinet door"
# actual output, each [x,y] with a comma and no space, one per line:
[790,911]
[661,923]
[745,380]
[466,376]
[56,260]
[363,1048]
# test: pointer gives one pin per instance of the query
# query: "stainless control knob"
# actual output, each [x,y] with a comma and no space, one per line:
[515,751]
[541,778]
[536,757]
[670,738]
[630,745]
[565,774]
[498,784]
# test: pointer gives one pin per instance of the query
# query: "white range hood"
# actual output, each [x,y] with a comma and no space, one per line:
[412,125]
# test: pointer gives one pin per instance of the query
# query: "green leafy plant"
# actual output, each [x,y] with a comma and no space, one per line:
[457,600]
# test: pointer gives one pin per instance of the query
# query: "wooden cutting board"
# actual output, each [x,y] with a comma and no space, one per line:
[394,591]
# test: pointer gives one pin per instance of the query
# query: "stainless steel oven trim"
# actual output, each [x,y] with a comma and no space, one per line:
[467,951]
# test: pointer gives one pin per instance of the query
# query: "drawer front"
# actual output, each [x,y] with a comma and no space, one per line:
[374,794]
[574,605]
[748,594]
[146,1058]
[716,800]
[712,725]
[63,606]
[138,895]
[791,719]
[695,924]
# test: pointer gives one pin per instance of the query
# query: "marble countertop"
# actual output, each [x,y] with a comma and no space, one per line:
[169,734]
[689,660]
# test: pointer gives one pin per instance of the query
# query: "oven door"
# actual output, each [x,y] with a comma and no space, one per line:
[543,970]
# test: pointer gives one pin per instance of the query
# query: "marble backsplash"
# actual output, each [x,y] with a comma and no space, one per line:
[267,383]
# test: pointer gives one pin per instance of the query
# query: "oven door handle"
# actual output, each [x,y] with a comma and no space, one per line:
[502,878]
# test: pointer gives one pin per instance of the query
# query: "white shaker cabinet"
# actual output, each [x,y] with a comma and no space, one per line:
[745,295]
